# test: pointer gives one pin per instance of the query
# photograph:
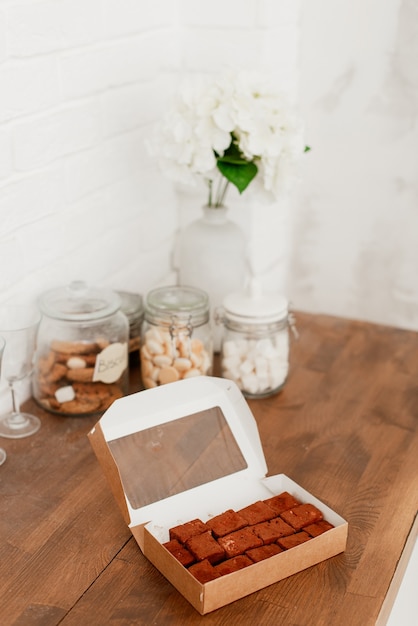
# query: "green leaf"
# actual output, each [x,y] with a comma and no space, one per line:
[307,148]
[233,155]
[239,174]
[236,168]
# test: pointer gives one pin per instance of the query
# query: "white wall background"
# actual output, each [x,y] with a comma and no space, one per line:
[356,221]
[82,82]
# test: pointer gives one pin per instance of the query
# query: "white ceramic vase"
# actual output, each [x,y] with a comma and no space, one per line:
[212,256]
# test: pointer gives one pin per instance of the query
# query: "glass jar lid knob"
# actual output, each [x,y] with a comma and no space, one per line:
[253,305]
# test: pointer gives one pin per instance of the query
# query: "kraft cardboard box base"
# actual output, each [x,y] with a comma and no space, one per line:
[188,450]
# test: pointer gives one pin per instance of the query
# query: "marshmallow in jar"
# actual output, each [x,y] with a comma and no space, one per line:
[176,337]
[255,343]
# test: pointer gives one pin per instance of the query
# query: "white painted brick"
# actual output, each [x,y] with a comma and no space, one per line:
[140,58]
[86,172]
[28,87]
[127,153]
[150,208]
[121,245]
[281,46]
[41,140]
[273,13]
[104,164]
[145,271]
[50,25]
[10,258]
[45,240]
[157,189]
[206,50]
[6,158]
[219,13]
[130,107]
[98,259]
[126,200]
[161,227]
[279,56]
[124,17]
[91,70]
[30,198]
[83,72]
[86,221]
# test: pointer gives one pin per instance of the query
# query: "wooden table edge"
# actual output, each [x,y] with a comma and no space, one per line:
[398,575]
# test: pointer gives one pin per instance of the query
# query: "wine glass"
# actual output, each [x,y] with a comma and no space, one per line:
[18,327]
[3,454]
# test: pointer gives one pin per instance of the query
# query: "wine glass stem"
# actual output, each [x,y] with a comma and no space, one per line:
[15,402]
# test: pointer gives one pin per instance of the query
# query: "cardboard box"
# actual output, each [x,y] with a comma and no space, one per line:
[191,449]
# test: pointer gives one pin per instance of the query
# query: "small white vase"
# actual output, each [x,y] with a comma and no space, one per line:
[212,256]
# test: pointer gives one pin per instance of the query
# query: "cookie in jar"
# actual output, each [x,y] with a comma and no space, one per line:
[176,336]
[81,361]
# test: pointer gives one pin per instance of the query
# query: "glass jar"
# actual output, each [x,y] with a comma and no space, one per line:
[132,306]
[81,360]
[176,339]
[255,342]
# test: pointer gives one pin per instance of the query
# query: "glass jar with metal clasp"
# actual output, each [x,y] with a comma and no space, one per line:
[176,335]
[255,341]
[81,363]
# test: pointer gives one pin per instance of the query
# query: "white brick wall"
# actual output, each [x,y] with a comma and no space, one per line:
[81,84]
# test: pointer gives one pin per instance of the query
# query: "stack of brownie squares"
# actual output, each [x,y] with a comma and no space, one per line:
[233,540]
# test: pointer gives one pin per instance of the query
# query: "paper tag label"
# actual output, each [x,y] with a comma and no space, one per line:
[111,363]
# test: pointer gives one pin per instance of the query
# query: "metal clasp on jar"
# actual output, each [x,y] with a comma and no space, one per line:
[292,325]
[180,334]
[219,316]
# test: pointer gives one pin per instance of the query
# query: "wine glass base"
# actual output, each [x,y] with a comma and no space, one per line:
[3,456]
[16,426]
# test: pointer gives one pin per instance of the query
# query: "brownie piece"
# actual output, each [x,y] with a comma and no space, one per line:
[204,546]
[233,565]
[256,513]
[283,502]
[225,523]
[203,571]
[239,542]
[181,553]
[293,540]
[263,552]
[271,531]
[183,532]
[302,515]
[318,528]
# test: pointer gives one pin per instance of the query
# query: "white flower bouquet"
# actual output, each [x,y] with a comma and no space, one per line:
[230,129]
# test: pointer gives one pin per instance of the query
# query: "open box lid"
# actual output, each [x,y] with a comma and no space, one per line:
[164,448]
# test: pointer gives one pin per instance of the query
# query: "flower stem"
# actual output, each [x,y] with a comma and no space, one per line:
[210,185]
[221,191]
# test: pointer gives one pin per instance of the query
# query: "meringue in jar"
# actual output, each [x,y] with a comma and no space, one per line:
[255,342]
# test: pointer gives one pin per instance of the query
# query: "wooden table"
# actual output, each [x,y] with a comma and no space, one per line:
[345,428]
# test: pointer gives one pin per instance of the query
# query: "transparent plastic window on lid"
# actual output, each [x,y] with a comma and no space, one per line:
[176,456]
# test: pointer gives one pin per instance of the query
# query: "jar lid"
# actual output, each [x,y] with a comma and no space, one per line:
[252,306]
[187,303]
[79,302]
[131,304]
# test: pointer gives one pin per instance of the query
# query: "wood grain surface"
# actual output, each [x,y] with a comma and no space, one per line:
[344,427]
